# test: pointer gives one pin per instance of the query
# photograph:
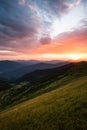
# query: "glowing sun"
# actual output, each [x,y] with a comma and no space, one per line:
[75,57]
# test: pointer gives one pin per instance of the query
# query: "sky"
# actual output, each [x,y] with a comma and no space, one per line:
[43,29]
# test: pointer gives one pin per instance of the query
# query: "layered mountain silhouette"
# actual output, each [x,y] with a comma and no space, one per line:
[12,70]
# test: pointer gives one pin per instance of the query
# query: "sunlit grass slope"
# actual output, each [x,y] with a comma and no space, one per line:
[62,109]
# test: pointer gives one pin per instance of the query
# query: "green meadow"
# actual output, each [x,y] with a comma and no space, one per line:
[56,107]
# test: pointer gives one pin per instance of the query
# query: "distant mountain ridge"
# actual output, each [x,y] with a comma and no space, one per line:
[53,73]
[7,65]
[14,70]
[32,62]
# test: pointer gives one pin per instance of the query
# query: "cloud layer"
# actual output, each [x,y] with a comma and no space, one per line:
[25,24]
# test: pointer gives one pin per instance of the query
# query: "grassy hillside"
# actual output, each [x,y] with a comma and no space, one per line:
[25,91]
[40,82]
[64,108]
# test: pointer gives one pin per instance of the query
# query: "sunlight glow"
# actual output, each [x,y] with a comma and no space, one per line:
[71,57]
[75,57]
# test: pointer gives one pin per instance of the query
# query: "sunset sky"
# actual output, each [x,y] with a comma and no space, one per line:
[43,29]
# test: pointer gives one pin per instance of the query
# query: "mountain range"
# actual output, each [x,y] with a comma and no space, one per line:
[11,70]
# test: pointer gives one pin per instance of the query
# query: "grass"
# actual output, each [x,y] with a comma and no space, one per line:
[64,108]
[8,99]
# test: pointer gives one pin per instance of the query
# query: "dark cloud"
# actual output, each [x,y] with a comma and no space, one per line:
[46,40]
[17,21]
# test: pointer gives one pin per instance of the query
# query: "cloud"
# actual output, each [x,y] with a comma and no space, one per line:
[45,41]
[22,2]
[75,39]
[26,23]
[17,22]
